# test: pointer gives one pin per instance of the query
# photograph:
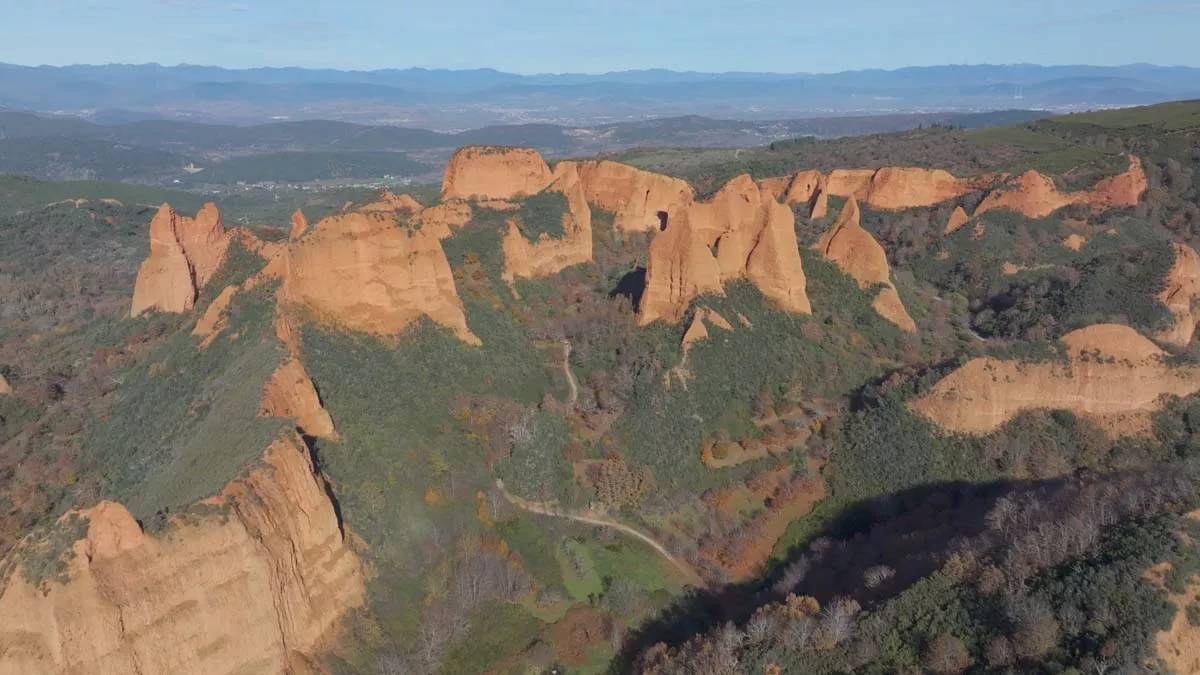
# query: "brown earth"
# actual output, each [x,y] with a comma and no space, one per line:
[5,388]
[485,172]
[255,584]
[1113,376]
[956,220]
[856,252]
[1074,241]
[184,254]
[1182,289]
[290,393]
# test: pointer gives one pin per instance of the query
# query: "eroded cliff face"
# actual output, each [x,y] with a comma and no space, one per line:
[485,172]
[634,197]
[856,252]
[299,225]
[184,254]
[754,236]
[1035,195]
[957,219]
[547,256]
[1182,289]
[257,586]
[1113,376]
[365,272]
[5,387]
[389,201]
[290,393]
[215,318]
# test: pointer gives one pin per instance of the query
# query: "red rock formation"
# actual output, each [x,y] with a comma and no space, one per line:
[389,201]
[184,254]
[485,172]
[854,250]
[957,220]
[258,587]
[5,388]
[805,186]
[755,239]
[1114,376]
[1036,196]
[441,220]
[820,207]
[290,393]
[1180,292]
[547,255]
[1074,241]
[299,225]
[634,197]
[364,272]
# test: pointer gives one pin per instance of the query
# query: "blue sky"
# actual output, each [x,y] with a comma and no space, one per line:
[530,36]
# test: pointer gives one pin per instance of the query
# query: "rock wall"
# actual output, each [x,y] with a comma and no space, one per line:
[365,272]
[635,197]
[299,225]
[184,254]
[1182,289]
[1035,195]
[215,318]
[256,588]
[754,236]
[485,172]
[856,252]
[956,220]
[290,393]
[547,256]
[1113,376]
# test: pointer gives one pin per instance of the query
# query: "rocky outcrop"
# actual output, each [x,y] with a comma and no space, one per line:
[257,585]
[184,255]
[754,236]
[956,220]
[856,252]
[547,256]
[1181,290]
[1035,195]
[299,225]
[366,273]
[1113,376]
[485,172]
[389,201]
[1074,242]
[634,197]
[5,387]
[698,331]
[215,318]
[679,267]
[291,394]
[442,220]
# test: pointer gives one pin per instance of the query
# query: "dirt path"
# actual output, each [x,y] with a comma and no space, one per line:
[571,383]
[550,509]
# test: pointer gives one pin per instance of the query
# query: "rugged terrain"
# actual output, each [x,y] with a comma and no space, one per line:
[781,414]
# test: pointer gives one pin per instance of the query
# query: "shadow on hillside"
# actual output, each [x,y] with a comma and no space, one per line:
[910,532]
[631,286]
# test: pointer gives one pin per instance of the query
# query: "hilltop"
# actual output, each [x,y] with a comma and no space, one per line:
[927,401]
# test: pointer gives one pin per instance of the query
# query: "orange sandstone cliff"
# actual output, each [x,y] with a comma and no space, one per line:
[290,393]
[956,220]
[755,239]
[184,254]
[854,250]
[486,172]
[634,197]
[1035,195]
[366,273]
[1182,289]
[547,255]
[257,590]
[299,225]
[1113,376]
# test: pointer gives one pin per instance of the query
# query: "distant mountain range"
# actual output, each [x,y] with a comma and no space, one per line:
[156,151]
[460,99]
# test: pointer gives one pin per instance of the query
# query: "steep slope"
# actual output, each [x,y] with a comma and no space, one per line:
[184,254]
[290,393]
[679,267]
[854,250]
[486,172]
[1113,376]
[1035,195]
[1181,291]
[254,584]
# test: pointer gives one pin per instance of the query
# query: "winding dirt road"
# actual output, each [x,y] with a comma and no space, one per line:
[551,509]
